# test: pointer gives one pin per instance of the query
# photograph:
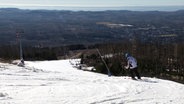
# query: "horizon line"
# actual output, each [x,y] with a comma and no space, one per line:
[90,6]
[86,8]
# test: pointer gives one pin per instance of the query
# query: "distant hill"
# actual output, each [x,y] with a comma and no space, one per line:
[51,27]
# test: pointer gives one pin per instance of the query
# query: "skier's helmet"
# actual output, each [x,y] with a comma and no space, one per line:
[127,55]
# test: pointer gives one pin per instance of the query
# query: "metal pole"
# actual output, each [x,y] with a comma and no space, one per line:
[20,46]
[109,73]
[21,56]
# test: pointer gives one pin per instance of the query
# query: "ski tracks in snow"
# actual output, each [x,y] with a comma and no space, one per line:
[57,82]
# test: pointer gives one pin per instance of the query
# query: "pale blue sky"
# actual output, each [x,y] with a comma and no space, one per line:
[92,3]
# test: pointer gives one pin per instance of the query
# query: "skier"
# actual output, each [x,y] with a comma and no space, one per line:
[132,66]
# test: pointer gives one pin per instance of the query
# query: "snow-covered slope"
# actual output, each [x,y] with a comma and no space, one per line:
[57,82]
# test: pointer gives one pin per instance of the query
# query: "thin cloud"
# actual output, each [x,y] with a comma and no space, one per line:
[58,5]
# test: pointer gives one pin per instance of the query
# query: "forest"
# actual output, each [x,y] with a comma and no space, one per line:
[57,28]
[154,60]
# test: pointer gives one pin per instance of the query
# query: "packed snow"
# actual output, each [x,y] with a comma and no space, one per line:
[59,82]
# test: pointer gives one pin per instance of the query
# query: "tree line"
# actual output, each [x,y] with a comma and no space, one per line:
[12,52]
[154,59]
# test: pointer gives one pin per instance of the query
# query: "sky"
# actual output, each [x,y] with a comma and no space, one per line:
[92,3]
[54,4]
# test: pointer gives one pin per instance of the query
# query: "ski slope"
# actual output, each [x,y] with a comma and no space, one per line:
[58,82]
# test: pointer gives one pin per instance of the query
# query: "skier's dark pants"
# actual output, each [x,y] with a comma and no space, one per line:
[132,71]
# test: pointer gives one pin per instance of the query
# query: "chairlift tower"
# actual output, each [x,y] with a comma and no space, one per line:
[18,34]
